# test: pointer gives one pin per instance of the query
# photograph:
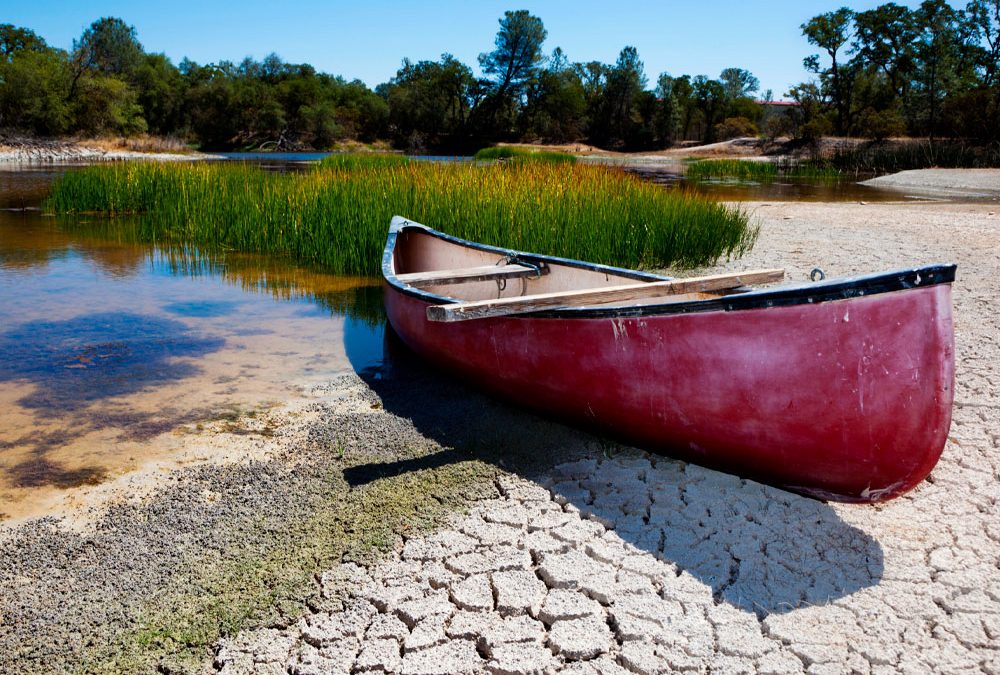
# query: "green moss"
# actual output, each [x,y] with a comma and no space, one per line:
[231,591]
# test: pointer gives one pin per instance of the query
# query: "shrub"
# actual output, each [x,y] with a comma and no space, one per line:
[735,127]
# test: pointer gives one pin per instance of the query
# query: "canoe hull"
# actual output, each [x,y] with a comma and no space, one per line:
[847,400]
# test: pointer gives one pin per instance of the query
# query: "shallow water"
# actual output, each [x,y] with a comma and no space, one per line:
[780,189]
[110,351]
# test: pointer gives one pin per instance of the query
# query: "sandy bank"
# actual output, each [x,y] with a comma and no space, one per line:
[943,182]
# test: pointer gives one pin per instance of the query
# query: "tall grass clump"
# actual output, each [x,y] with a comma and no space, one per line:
[740,169]
[762,171]
[516,155]
[338,218]
[353,161]
[819,170]
[884,158]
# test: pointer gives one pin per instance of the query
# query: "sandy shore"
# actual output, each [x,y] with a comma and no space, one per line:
[943,182]
[407,524]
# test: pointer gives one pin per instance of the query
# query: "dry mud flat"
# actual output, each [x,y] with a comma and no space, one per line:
[639,564]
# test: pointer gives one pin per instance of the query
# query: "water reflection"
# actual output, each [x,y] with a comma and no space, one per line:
[781,189]
[74,362]
[110,347]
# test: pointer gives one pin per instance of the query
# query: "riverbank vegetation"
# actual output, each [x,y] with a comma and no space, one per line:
[739,169]
[337,214]
[509,154]
[931,71]
[763,171]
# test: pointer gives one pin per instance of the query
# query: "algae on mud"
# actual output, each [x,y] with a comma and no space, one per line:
[337,216]
[223,548]
[274,581]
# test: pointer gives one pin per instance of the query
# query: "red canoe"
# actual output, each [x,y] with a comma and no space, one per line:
[839,389]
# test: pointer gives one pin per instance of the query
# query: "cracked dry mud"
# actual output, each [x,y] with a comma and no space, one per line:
[640,564]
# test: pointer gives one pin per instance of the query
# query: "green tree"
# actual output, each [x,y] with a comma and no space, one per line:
[687,106]
[556,107]
[109,46]
[33,91]
[106,104]
[429,103]
[14,39]
[808,117]
[518,51]
[668,110]
[512,64]
[983,22]
[626,81]
[739,83]
[938,54]
[979,110]
[161,89]
[830,32]
[710,98]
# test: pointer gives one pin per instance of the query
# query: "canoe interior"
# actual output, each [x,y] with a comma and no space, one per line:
[420,251]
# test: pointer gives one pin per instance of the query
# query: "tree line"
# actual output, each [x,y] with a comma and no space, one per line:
[930,71]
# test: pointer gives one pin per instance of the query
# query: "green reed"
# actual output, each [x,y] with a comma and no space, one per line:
[337,217]
[739,169]
[524,155]
[763,171]
[888,157]
[352,161]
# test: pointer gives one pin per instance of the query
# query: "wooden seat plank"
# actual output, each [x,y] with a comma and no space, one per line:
[468,274]
[463,311]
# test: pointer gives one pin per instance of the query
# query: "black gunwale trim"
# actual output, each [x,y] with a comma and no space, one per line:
[811,293]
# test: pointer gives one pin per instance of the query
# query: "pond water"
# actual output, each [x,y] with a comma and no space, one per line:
[780,189]
[111,350]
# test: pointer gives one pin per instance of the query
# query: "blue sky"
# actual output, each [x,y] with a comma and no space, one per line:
[368,39]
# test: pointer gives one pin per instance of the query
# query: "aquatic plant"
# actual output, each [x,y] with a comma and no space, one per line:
[352,161]
[740,169]
[762,171]
[510,154]
[337,218]
[883,158]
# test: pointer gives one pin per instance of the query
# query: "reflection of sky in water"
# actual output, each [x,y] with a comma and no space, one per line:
[74,362]
[67,282]
[106,344]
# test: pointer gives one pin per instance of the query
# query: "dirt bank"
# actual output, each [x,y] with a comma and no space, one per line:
[19,150]
[943,182]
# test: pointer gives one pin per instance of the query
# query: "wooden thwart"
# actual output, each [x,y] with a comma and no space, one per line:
[462,311]
[469,274]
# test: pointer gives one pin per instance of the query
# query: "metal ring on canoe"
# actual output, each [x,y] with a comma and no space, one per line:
[817,274]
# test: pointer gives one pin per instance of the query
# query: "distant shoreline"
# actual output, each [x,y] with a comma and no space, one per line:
[19,150]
